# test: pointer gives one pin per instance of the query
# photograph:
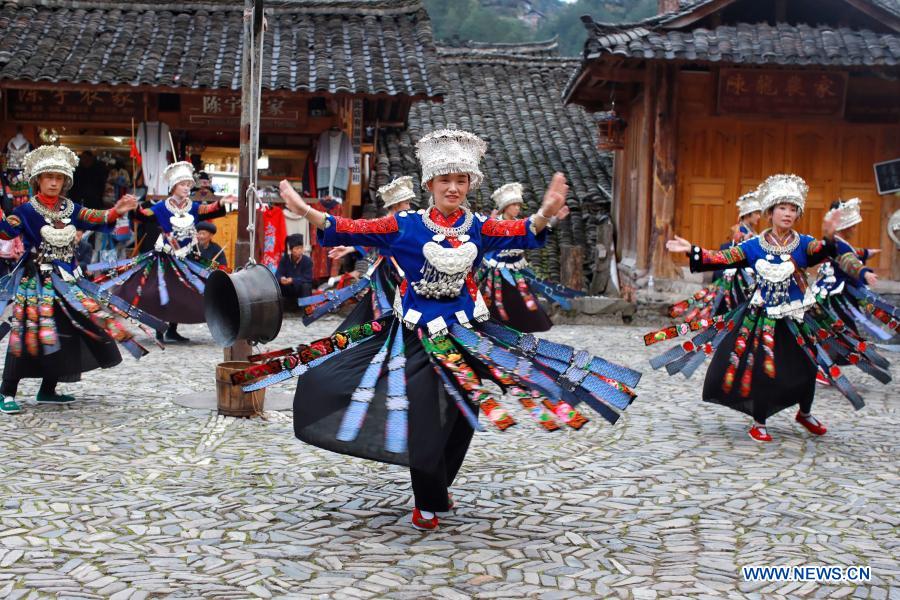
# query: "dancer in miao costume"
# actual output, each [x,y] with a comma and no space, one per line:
[168,281]
[509,285]
[407,388]
[765,352]
[846,281]
[730,287]
[61,324]
[375,289]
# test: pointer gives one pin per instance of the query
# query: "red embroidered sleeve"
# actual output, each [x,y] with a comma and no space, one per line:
[814,247]
[729,256]
[850,264]
[386,224]
[205,209]
[97,217]
[146,212]
[498,228]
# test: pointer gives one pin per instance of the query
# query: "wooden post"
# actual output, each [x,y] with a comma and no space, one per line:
[664,173]
[253,22]
[645,168]
[571,266]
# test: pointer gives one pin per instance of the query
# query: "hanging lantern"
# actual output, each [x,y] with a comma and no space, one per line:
[610,130]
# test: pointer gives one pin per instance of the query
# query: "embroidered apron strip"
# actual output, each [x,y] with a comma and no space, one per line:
[352,420]
[432,347]
[396,432]
[306,353]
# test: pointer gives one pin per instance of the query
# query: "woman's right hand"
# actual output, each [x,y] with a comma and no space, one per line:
[678,245]
[340,251]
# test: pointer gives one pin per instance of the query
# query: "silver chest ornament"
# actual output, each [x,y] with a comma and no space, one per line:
[775,278]
[57,243]
[445,269]
[182,221]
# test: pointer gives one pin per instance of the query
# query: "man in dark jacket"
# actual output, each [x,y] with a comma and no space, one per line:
[209,250]
[295,270]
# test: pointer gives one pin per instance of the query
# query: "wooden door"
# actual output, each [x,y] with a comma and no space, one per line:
[707,180]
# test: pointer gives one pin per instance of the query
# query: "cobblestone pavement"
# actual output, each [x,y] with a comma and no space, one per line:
[130,496]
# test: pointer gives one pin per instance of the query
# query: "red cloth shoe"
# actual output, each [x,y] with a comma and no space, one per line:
[760,434]
[811,423]
[423,524]
[822,380]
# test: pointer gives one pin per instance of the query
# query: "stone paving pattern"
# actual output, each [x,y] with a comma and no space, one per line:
[126,495]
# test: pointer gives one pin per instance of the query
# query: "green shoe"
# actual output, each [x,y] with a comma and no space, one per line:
[44,398]
[9,406]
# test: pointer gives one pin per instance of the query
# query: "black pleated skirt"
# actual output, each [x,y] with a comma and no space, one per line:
[794,381]
[520,317]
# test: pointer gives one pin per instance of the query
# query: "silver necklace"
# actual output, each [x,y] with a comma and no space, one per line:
[448,232]
[175,209]
[51,216]
[777,249]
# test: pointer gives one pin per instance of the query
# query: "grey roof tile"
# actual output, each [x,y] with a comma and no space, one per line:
[746,43]
[333,46]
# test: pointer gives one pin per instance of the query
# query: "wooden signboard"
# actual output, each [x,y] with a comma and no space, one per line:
[223,111]
[887,176]
[779,92]
[64,106]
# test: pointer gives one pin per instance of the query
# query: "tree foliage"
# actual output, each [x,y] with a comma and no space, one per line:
[491,20]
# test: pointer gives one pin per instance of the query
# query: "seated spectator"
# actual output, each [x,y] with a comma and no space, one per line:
[208,249]
[294,272]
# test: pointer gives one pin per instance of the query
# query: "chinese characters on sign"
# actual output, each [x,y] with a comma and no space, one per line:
[215,110]
[743,91]
[74,106]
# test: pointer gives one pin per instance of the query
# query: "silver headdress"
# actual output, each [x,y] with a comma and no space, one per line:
[846,215]
[506,194]
[448,151]
[782,188]
[399,190]
[749,203]
[50,159]
[893,228]
[178,172]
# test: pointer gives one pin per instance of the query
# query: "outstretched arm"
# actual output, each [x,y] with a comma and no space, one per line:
[93,219]
[853,267]
[709,260]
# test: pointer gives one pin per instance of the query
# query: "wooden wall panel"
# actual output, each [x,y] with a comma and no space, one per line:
[720,158]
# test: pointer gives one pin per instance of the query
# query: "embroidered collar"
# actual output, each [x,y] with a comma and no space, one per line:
[769,244]
[445,221]
[175,208]
[49,202]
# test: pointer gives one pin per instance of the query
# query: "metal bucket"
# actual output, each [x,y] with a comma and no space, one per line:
[245,305]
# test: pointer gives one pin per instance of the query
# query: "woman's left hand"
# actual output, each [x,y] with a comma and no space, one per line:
[125,204]
[563,212]
[871,278]
[555,196]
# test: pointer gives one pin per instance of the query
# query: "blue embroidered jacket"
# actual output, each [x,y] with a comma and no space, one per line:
[406,236]
[159,211]
[27,222]
[780,280]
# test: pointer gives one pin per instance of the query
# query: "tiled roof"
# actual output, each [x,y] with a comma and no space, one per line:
[513,100]
[335,46]
[752,44]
